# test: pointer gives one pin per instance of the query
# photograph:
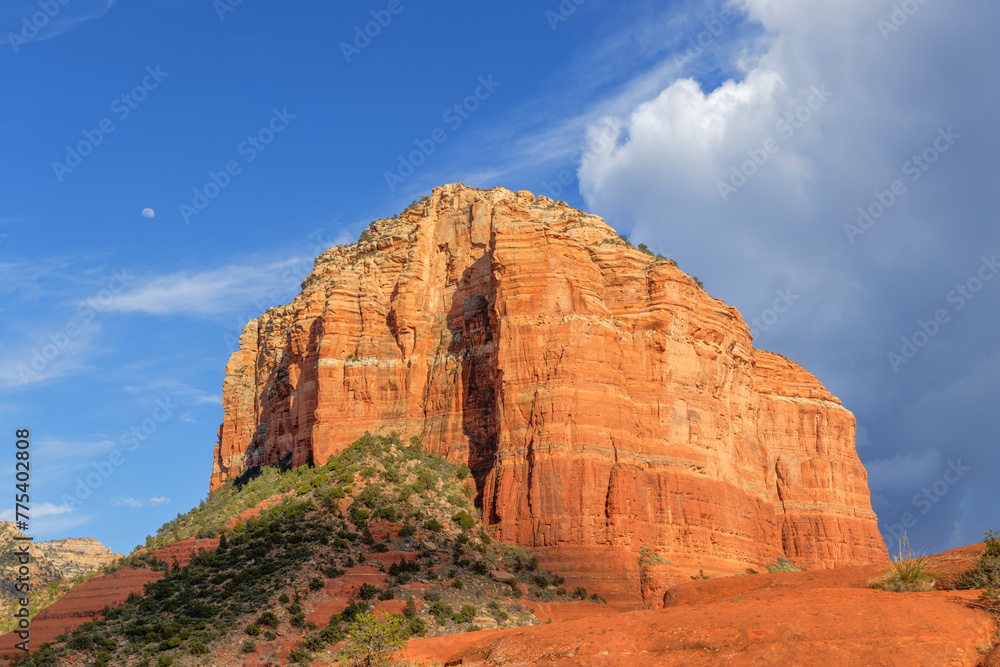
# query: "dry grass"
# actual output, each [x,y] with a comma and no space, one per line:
[907,572]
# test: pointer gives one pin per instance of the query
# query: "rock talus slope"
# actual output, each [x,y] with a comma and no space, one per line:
[603,401]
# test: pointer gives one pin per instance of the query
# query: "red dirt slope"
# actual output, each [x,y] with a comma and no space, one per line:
[85,602]
[825,618]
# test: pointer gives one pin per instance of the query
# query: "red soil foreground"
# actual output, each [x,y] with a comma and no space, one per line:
[826,618]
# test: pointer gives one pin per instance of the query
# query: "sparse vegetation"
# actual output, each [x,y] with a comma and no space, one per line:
[784,565]
[255,587]
[986,574]
[907,572]
[374,641]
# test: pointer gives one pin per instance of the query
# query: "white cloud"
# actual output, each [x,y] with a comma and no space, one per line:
[216,291]
[159,501]
[890,94]
[39,511]
[128,502]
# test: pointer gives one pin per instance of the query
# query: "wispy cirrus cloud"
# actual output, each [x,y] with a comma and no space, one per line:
[25,21]
[213,292]
[139,503]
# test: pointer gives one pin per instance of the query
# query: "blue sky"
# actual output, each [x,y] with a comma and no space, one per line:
[740,139]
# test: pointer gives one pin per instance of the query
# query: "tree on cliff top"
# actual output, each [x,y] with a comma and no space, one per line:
[374,641]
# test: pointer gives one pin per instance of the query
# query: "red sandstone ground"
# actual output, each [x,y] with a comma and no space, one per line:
[826,618]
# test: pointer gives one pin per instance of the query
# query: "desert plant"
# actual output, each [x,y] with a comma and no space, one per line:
[907,572]
[986,574]
[464,520]
[373,641]
[783,565]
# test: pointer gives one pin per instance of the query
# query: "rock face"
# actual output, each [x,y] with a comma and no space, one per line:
[603,401]
[73,557]
[64,559]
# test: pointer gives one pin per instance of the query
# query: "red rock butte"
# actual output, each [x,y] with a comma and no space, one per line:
[603,401]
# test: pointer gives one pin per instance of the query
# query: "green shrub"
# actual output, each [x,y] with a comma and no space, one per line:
[358,515]
[441,611]
[410,608]
[407,530]
[164,661]
[457,583]
[315,584]
[367,591]
[299,656]
[252,630]
[374,641]
[433,525]
[464,520]
[418,626]
[466,615]
[269,619]
[388,513]
[463,471]
[986,573]
[248,646]
[284,599]
[783,566]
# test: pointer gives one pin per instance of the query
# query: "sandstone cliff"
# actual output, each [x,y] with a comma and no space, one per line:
[53,565]
[603,401]
[64,559]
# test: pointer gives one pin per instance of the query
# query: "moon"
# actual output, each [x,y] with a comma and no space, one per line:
[148,212]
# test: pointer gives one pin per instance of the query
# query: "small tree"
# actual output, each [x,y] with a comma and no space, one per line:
[374,641]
